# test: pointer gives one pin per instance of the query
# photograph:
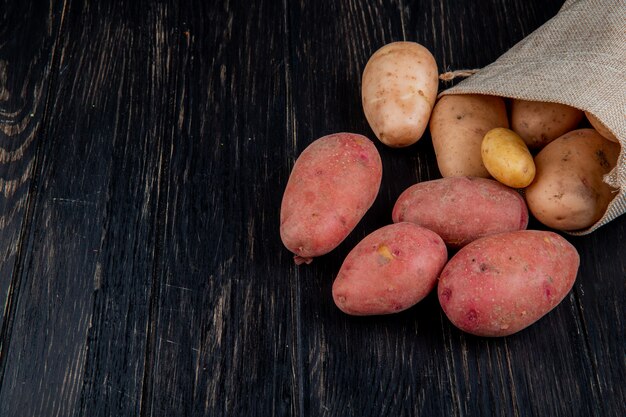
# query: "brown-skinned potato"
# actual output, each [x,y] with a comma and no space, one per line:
[457,127]
[568,192]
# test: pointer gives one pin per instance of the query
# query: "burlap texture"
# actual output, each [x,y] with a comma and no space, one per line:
[577,58]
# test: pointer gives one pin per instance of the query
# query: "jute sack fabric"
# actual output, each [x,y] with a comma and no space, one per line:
[577,58]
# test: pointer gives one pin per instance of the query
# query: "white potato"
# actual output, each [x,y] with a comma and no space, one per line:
[399,89]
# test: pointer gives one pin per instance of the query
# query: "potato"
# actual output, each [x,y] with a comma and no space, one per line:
[503,283]
[333,183]
[600,127]
[390,270]
[568,192]
[539,123]
[462,209]
[399,88]
[458,125]
[507,158]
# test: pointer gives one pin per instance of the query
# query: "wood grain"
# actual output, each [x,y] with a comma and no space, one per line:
[224,340]
[85,278]
[24,84]
[599,297]
[144,147]
[382,366]
[140,76]
[507,377]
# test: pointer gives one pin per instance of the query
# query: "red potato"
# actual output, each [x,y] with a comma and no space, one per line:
[501,284]
[462,209]
[390,270]
[333,183]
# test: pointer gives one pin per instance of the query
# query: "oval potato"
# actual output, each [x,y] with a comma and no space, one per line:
[462,209]
[399,88]
[568,192]
[539,123]
[600,127]
[390,270]
[334,181]
[503,283]
[458,125]
[507,158]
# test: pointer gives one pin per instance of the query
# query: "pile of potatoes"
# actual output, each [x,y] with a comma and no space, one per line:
[502,277]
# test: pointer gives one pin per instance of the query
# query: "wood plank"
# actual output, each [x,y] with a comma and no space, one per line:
[522,374]
[225,341]
[600,295]
[80,323]
[141,264]
[469,35]
[376,366]
[24,84]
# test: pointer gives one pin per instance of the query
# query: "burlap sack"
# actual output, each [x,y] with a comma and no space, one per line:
[577,58]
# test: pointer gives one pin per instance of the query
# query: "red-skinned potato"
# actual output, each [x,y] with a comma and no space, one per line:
[390,270]
[462,209]
[333,183]
[503,283]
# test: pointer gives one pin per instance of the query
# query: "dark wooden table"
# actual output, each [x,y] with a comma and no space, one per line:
[144,147]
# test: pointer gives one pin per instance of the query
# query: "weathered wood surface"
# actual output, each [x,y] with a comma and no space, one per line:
[143,151]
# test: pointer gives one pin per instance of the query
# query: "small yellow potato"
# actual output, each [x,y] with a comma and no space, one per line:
[568,192]
[507,158]
[458,125]
[399,89]
[539,123]
[600,127]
